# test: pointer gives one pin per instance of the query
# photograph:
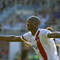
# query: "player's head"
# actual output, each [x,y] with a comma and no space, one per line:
[33,22]
[50,28]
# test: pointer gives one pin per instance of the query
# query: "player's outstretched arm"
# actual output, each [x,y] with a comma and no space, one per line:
[54,35]
[11,38]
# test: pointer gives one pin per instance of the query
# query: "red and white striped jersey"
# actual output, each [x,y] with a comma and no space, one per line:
[45,47]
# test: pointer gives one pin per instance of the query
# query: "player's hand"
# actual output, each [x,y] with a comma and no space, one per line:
[27,44]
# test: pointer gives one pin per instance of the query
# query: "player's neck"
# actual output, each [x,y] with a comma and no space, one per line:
[33,31]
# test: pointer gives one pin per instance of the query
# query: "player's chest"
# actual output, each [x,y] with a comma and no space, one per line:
[33,41]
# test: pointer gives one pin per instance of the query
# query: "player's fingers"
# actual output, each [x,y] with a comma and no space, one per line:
[26,45]
[29,44]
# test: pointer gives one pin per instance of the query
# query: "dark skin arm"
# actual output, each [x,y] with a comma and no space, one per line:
[54,35]
[11,38]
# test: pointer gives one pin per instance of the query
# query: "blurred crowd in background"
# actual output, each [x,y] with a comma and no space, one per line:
[5,4]
[13,15]
[3,54]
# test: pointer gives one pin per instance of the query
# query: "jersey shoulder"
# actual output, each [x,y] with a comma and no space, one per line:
[44,31]
[27,34]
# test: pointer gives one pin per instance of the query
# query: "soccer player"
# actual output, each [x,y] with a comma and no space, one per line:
[41,39]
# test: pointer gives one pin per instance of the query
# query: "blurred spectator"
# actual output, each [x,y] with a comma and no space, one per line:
[6,3]
[11,23]
[0,27]
[4,6]
[6,54]
[55,12]
[1,5]
[43,18]
[51,21]
[3,54]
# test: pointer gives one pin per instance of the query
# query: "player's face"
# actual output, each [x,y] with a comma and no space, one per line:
[30,26]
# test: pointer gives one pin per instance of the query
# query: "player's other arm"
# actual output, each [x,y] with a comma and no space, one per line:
[10,38]
[53,35]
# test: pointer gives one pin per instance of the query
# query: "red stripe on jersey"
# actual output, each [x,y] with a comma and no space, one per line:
[40,47]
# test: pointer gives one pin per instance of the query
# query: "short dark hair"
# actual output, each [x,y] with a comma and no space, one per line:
[34,20]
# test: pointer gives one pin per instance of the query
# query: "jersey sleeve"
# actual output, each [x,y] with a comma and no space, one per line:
[44,32]
[26,36]
[57,41]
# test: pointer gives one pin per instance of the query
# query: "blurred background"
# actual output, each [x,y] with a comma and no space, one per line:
[13,15]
